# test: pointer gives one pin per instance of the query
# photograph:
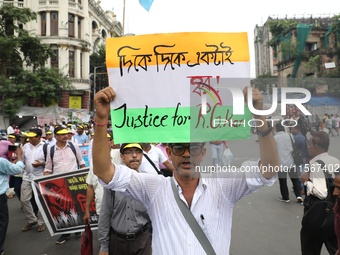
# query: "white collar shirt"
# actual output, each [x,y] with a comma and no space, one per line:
[31,154]
[317,185]
[156,155]
[64,160]
[214,199]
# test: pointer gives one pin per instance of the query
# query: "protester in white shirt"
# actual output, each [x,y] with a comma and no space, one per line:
[154,154]
[210,200]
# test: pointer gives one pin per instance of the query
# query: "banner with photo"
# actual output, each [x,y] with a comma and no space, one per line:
[81,117]
[84,150]
[179,87]
[61,199]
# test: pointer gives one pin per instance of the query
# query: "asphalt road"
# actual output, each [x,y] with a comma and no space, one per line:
[261,224]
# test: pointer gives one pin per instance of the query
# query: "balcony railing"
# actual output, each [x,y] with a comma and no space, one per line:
[13,3]
[48,2]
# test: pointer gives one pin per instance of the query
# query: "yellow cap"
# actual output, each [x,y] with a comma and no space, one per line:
[31,134]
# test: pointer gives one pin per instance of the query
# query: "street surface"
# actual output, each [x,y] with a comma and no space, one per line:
[261,224]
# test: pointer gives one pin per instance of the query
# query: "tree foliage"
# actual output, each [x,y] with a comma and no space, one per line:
[98,59]
[313,64]
[17,46]
[264,82]
[45,85]
[17,49]
[281,26]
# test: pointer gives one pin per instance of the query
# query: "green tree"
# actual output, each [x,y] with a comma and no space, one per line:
[281,26]
[98,61]
[18,48]
[264,82]
[45,85]
[98,58]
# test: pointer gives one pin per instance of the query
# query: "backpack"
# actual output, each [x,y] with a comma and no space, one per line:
[52,149]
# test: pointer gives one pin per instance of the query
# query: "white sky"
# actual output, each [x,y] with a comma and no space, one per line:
[166,16]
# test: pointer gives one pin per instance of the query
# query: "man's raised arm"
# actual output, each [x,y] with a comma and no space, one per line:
[268,151]
[102,166]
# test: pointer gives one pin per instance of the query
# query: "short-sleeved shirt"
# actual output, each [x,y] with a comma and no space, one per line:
[212,206]
[64,160]
[157,157]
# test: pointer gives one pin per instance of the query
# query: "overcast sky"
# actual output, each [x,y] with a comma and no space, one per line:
[166,16]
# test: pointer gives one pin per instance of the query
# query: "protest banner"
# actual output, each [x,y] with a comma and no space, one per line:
[171,87]
[84,150]
[61,199]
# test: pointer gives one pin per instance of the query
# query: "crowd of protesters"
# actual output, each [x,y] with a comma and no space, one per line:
[311,139]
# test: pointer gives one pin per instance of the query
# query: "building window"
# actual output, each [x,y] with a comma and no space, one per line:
[55,59]
[54,23]
[71,64]
[71,25]
[104,34]
[43,23]
[79,27]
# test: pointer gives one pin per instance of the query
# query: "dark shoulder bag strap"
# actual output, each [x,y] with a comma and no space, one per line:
[45,150]
[74,152]
[291,139]
[195,227]
[52,155]
[152,163]
[327,177]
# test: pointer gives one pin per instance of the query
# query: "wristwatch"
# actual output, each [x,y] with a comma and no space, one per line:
[264,133]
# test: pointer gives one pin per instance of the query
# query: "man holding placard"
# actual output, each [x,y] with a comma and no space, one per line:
[209,201]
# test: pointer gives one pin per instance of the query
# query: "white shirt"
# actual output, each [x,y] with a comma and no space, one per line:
[92,179]
[317,186]
[64,160]
[285,148]
[10,130]
[214,198]
[157,156]
[51,143]
[31,154]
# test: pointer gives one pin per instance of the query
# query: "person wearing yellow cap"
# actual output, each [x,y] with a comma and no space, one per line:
[50,140]
[128,237]
[80,136]
[63,157]
[207,200]
[33,157]
[12,138]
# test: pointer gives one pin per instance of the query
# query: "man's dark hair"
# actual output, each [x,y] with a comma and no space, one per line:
[297,127]
[320,139]
[279,127]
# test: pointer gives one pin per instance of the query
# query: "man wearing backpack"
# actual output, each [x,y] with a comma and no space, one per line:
[317,190]
[63,157]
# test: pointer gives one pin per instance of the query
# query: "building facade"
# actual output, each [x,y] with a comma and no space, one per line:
[73,29]
[292,51]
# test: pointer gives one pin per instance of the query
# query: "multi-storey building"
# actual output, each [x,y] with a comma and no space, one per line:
[73,29]
[265,60]
[310,37]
